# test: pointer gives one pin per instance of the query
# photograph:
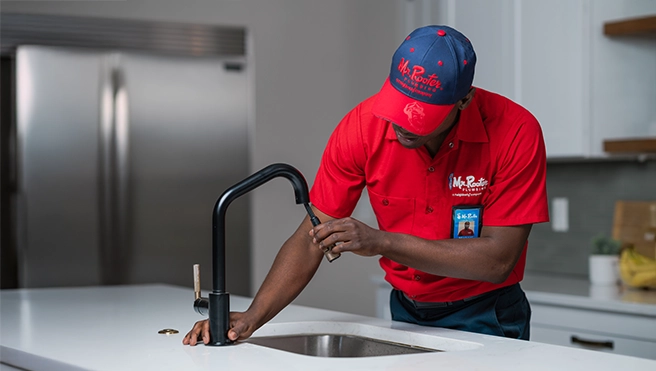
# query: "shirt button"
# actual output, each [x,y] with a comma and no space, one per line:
[413,296]
[385,202]
[429,210]
[417,277]
[431,169]
[450,144]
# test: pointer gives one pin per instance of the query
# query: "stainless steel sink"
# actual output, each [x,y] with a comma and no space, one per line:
[333,345]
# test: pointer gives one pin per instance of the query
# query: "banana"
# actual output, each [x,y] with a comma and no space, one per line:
[637,270]
[644,268]
[641,259]
[644,279]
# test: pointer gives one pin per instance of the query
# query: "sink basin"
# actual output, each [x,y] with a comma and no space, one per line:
[348,339]
[337,345]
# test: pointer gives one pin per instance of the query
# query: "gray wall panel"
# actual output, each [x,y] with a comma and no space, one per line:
[592,189]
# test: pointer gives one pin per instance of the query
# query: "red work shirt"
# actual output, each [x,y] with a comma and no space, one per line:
[494,157]
[466,232]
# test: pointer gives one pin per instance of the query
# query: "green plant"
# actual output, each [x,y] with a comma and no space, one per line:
[602,245]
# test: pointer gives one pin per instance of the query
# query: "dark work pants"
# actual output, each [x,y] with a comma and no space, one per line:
[502,312]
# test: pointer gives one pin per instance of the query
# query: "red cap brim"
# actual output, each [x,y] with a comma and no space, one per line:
[411,114]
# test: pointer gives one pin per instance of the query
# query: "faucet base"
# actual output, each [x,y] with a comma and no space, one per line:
[219,318]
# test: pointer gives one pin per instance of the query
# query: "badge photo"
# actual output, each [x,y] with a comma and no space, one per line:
[466,221]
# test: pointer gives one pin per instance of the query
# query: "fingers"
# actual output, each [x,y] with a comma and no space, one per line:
[346,235]
[239,330]
[239,327]
[330,231]
[235,333]
[200,331]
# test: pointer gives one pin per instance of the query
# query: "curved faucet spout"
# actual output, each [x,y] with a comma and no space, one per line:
[239,189]
[261,177]
[219,305]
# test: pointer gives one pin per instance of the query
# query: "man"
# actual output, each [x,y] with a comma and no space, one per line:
[430,149]
[466,231]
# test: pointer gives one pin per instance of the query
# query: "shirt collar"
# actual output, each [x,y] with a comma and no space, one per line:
[390,133]
[470,127]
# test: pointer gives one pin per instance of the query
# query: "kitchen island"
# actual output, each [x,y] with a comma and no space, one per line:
[116,328]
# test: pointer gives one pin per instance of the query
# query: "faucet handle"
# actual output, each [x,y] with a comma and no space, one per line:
[201,305]
[196,281]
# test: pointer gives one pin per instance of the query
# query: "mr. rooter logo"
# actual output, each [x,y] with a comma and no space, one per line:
[468,184]
[417,75]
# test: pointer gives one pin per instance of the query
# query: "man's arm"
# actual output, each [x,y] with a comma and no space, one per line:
[294,266]
[491,257]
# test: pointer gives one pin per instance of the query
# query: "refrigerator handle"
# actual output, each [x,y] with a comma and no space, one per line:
[113,174]
[122,248]
[105,165]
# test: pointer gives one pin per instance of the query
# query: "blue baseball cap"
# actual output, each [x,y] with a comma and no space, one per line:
[431,71]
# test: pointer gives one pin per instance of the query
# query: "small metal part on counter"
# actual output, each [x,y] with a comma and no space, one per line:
[168,331]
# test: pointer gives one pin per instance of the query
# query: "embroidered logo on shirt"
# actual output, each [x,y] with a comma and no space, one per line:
[467,186]
[415,113]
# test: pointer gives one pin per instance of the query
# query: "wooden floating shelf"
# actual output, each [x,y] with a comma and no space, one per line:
[638,145]
[641,26]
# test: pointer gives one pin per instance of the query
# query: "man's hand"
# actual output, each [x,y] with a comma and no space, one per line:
[350,235]
[200,331]
[240,329]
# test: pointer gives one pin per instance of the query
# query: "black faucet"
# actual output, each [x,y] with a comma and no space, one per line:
[218,304]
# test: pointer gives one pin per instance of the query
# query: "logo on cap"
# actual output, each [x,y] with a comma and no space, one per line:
[415,113]
[417,77]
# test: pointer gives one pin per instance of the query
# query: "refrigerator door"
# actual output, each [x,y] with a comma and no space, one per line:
[57,112]
[188,142]
[122,157]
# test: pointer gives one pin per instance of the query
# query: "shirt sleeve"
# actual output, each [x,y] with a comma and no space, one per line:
[340,178]
[518,193]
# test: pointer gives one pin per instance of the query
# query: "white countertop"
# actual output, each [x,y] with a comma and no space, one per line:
[115,328]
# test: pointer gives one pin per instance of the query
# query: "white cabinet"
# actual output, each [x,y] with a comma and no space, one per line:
[553,58]
[619,333]
[593,341]
[552,64]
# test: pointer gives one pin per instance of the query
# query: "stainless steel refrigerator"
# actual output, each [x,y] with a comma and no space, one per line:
[121,157]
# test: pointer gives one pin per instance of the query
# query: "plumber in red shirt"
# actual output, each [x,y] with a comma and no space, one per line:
[433,151]
[466,231]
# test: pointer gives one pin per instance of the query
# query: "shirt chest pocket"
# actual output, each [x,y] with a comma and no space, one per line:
[394,214]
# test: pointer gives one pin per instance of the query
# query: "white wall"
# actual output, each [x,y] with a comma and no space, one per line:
[313,61]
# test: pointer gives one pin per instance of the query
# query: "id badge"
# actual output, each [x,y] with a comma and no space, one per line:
[466,221]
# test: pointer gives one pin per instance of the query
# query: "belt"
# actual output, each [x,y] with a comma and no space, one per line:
[444,304]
